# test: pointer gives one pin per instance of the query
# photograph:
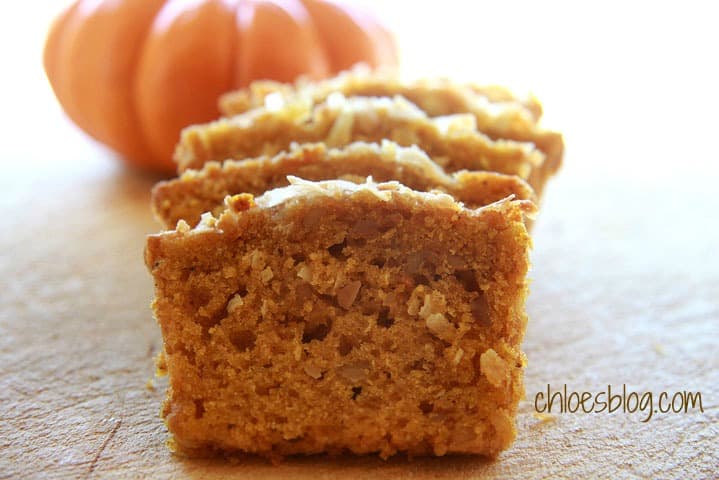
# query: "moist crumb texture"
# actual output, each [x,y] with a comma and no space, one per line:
[196,192]
[335,316]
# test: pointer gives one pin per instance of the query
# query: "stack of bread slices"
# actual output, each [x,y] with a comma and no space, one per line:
[343,267]
[480,144]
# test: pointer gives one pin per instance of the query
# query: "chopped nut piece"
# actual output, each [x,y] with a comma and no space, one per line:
[240,202]
[415,301]
[494,367]
[434,302]
[346,295]
[354,372]
[235,302]
[313,371]
[305,272]
[257,261]
[182,227]
[441,327]
[266,275]
[458,356]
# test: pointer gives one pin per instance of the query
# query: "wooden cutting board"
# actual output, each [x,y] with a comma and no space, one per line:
[625,280]
[625,288]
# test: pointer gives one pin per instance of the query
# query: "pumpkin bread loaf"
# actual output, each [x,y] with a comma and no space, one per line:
[198,191]
[334,316]
[453,142]
[498,113]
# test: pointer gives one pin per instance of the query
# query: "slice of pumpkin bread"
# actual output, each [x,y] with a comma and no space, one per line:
[498,113]
[452,142]
[334,316]
[198,191]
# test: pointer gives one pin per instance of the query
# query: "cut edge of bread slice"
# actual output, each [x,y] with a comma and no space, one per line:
[199,191]
[498,111]
[451,141]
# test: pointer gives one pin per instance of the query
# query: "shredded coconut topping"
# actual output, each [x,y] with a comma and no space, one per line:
[399,106]
[459,123]
[336,188]
[207,222]
[336,100]
[274,102]
[413,155]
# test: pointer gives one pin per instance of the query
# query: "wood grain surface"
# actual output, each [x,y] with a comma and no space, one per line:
[625,292]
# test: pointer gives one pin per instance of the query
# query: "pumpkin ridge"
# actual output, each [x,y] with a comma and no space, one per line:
[103,55]
[321,40]
[149,157]
[185,66]
[63,76]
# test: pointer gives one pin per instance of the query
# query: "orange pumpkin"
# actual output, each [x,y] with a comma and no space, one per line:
[133,73]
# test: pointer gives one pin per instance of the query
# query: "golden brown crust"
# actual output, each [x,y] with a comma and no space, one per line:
[196,192]
[452,142]
[498,113]
[331,316]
